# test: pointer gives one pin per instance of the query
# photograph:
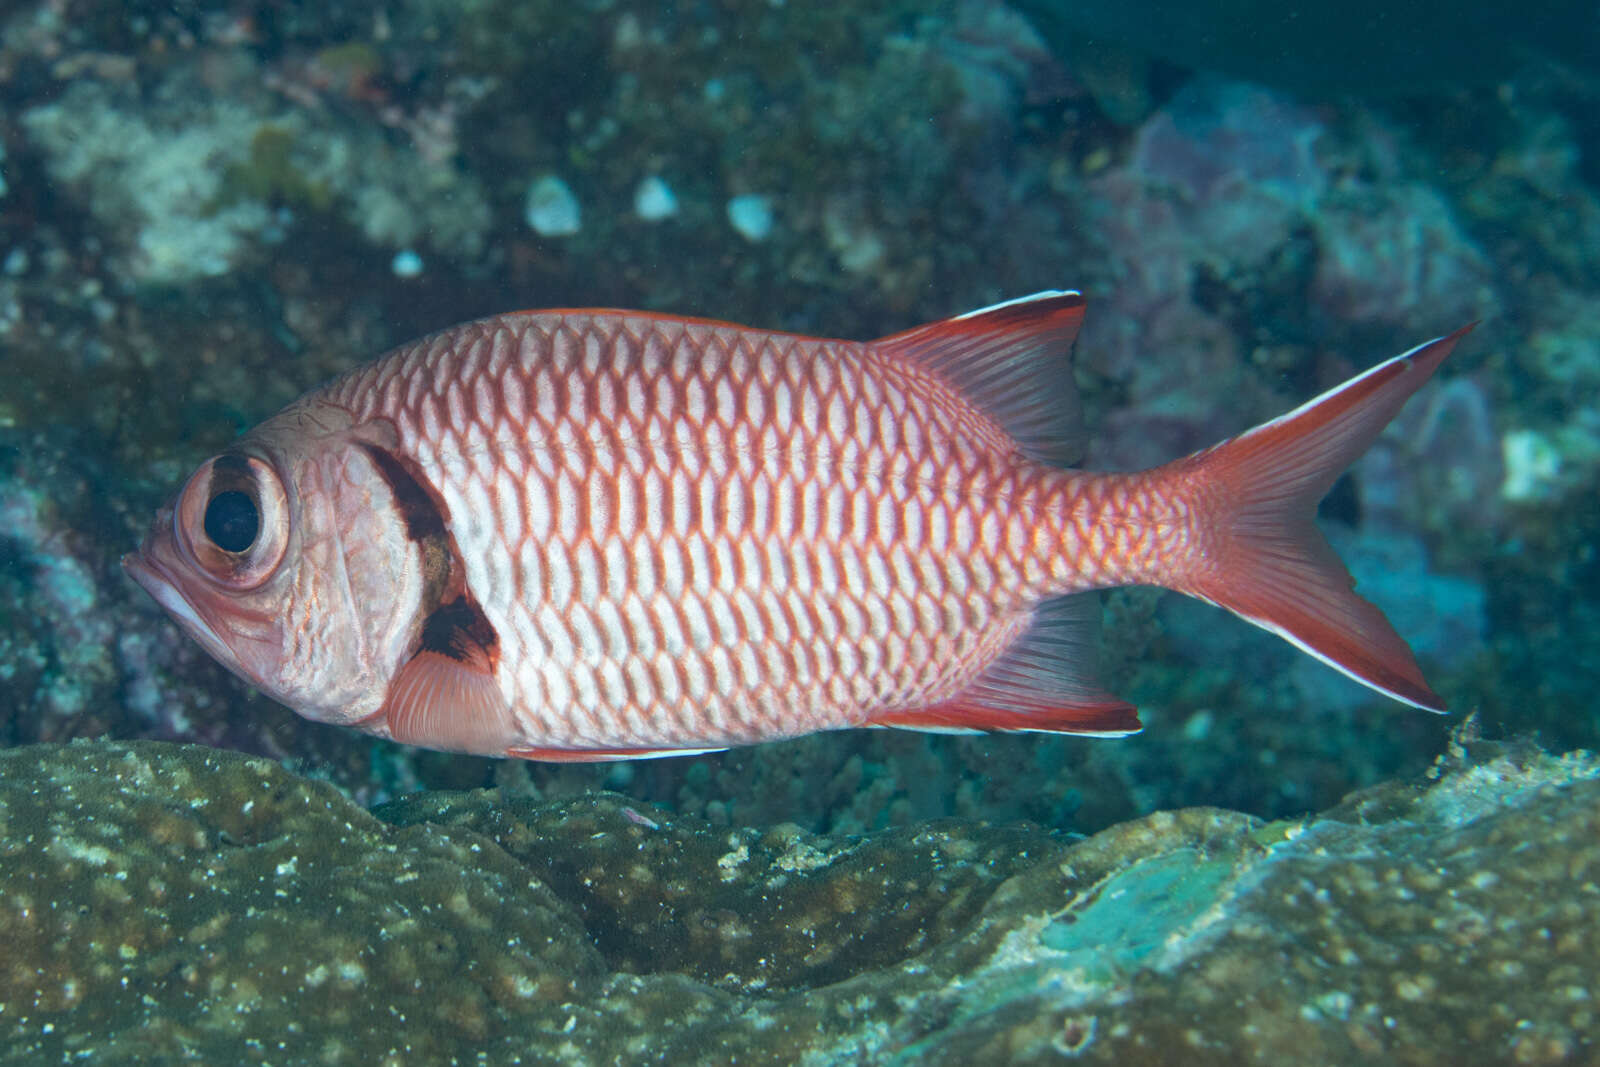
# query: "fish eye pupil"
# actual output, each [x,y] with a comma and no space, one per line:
[232,521]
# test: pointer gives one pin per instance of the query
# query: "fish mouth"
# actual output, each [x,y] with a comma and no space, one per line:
[153,579]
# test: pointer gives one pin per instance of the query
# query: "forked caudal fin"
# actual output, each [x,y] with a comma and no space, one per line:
[1260,554]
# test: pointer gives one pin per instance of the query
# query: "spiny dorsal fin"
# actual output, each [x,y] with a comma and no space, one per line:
[1014,361]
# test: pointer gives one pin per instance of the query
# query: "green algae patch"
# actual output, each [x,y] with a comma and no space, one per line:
[271,175]
[164,903]
[1136,912]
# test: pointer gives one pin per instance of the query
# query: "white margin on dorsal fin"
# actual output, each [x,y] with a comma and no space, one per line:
[1043,294]
[1014,360]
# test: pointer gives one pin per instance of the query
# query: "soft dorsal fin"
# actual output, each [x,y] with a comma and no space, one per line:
[1014,360]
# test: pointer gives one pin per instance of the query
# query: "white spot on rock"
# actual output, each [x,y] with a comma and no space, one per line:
[751,215]
[406,264]
[551,208]
[654,200]
[1532,463]
[729,863]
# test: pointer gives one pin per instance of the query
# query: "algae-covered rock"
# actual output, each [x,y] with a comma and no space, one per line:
[160,903]
[158,900]
[746,909]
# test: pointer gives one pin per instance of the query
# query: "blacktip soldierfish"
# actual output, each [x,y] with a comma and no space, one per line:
[595,534]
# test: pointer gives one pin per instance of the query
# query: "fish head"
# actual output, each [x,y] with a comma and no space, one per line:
[285,559]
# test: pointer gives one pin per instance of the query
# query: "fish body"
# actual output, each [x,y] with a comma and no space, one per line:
[600,534]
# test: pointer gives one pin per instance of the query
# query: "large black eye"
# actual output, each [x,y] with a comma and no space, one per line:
[232,521]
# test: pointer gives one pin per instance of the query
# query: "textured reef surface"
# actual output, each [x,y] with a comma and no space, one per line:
[162,901]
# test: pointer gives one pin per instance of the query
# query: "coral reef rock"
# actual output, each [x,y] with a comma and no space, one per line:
[162,903]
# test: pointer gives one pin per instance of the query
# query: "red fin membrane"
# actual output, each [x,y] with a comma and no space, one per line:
[1266,560]
[439,702]
[1014,361]
[1040,683]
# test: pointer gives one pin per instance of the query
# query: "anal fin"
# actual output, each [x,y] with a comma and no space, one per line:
[1114,718]
[1042,682]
